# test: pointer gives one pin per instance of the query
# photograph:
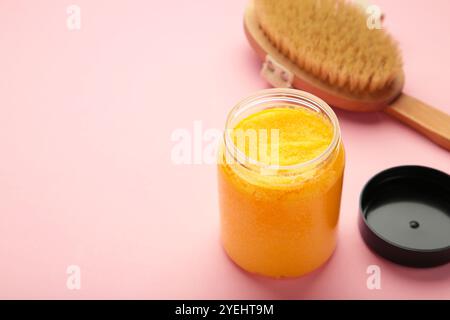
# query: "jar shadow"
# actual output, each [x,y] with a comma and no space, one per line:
[296,288]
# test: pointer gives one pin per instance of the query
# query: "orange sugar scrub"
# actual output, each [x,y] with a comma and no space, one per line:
[303,134]
[279,202]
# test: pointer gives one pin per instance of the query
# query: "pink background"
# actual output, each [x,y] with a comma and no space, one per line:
[86,176]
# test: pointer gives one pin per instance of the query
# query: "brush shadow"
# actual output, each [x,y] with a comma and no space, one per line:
[366,118]
[251,58]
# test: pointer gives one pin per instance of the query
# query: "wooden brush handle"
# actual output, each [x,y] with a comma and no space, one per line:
[423,118]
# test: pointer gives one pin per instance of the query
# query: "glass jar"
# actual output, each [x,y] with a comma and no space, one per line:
[280,221]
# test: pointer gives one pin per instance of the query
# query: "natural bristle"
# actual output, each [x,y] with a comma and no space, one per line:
[330,40]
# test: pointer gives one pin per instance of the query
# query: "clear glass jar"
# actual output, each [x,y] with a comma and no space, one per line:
[280,221]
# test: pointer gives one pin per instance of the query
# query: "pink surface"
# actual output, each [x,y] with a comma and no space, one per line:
[86,176]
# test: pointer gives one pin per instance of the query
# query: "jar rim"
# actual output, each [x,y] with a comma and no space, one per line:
[281,95]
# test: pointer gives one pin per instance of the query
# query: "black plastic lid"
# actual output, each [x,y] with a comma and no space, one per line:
[405,216]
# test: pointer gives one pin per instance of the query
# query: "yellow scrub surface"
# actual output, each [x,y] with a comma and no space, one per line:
[282,225]
[303,134]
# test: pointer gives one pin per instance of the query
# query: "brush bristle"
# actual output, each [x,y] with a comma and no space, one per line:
[330,40]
